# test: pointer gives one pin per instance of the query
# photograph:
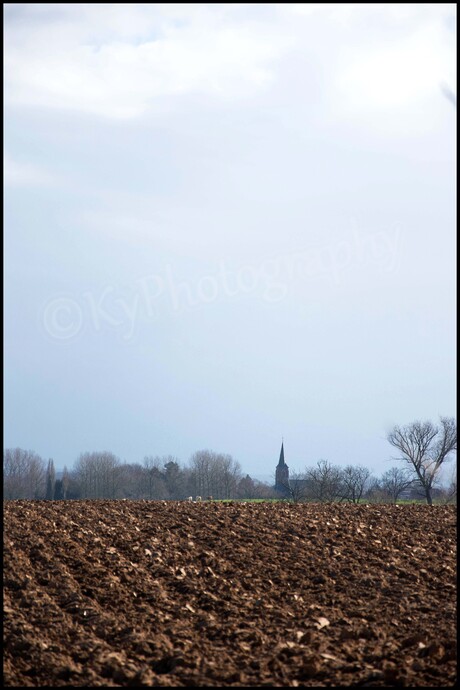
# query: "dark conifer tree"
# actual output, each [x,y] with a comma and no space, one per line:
[50,481]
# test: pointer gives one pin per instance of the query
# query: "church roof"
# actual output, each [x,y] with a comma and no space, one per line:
[281,462]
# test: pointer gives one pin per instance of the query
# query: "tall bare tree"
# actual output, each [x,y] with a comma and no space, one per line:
[229,474]
[425,447]
[98,475]
[202,466]
[214,474]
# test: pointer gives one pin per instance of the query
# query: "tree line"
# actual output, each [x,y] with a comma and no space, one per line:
[326,483]
[423,448]
[102,475]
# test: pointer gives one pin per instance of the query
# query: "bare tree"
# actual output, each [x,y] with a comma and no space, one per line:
[201,473]
[23,474]
[86,475]
[395,481]
[155,484]
[325,481]
[214,474]
[425,447]
[229,475]
[355,480]
[98,475]
[132,480]
[375,492]
[13,472]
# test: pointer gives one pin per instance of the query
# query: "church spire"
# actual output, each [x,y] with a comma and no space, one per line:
[282,474]
[281,461]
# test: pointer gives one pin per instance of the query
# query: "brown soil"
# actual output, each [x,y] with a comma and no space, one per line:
[145,593]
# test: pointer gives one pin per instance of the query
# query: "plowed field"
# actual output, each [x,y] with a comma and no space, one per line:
[145,593]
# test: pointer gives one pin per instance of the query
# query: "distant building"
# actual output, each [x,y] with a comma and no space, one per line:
[295,489]
[282,475]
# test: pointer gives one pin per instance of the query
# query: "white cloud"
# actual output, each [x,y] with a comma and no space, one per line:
[121,61]
[109,62]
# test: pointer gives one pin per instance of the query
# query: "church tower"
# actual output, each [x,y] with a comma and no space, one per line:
[282,474]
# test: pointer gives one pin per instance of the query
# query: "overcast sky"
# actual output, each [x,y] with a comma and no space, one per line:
[226,224]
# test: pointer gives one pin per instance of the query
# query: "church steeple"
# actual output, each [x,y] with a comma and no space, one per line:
[281,462]
[282,473]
